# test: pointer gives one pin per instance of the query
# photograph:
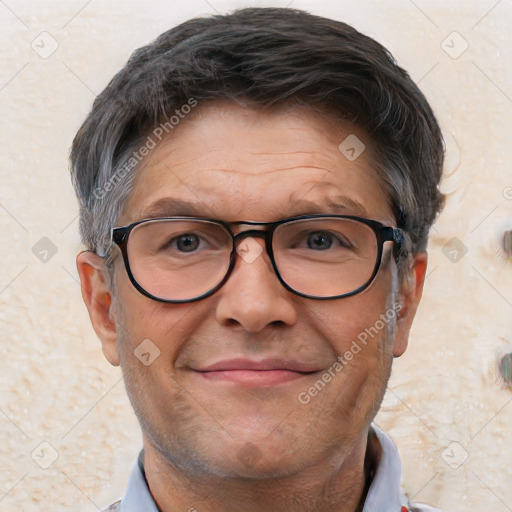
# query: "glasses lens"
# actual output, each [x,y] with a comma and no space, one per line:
[325,257]
[179,259]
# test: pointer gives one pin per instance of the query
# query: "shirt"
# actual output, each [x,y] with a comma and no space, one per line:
[384,494]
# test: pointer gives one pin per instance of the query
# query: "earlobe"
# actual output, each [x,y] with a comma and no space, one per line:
[97,295]
[411,290]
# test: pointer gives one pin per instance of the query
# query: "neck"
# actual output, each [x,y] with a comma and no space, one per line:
[337,485]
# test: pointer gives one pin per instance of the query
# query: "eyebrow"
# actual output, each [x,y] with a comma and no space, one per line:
[336,204]
[174,207]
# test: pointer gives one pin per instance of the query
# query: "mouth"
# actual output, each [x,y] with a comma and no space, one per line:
[266,372]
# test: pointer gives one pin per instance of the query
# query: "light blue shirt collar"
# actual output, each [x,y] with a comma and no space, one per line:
[137,497]
[384,493]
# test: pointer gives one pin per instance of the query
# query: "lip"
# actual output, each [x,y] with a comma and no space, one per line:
[265,372]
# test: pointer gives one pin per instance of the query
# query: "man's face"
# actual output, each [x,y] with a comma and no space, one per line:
[233,163]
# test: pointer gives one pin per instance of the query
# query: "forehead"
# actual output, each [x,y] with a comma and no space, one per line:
[233,162]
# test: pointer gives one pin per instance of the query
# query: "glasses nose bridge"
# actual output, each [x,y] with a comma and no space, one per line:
[254,233]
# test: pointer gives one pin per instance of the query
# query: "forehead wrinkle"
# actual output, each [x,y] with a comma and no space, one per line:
[300,167]
[255,172]
[309,153]
[159,159]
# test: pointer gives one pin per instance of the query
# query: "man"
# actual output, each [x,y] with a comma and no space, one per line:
[256,192]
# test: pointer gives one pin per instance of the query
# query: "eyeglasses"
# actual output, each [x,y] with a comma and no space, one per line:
[185,259]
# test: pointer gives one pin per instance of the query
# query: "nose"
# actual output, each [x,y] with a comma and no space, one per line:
[253,297]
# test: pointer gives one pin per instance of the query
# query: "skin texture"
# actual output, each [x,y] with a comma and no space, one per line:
[217,445]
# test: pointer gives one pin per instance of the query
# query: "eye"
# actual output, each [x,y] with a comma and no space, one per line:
[187,242]
[323,240]
[320,241]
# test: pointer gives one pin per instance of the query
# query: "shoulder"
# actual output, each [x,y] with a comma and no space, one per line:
[114,507]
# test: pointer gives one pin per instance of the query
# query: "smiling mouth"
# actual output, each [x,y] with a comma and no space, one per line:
[255,377]
[269,372]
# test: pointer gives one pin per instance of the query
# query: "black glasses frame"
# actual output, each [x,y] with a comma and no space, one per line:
[120,236]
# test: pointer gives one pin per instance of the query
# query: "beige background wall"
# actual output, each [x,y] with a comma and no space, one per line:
[445,408]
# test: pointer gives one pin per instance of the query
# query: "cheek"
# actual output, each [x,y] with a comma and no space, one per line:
[359,330]
[150,326]
[344,322]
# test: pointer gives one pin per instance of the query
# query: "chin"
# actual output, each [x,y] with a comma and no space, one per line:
[252,459]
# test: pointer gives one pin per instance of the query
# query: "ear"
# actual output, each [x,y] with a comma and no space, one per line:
[97,295]
[409,297]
